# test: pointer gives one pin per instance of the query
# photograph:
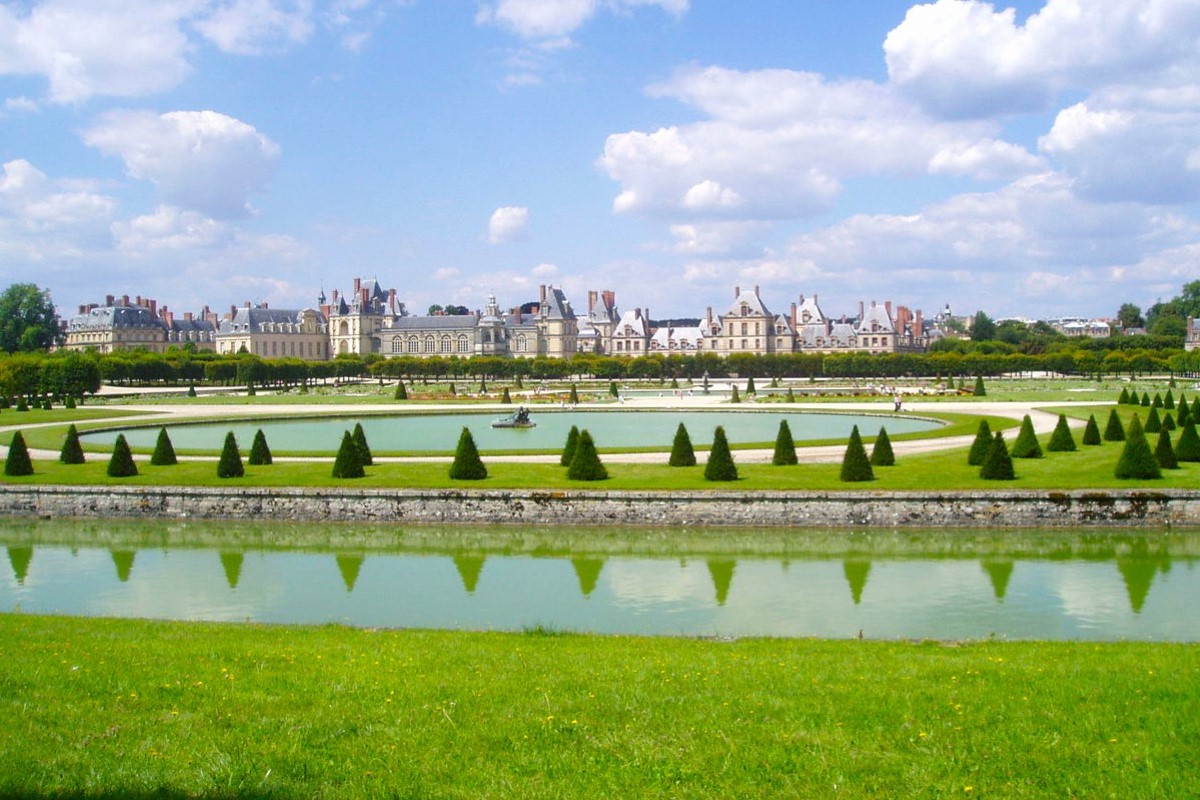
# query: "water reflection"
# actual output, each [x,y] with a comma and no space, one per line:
[1129,587]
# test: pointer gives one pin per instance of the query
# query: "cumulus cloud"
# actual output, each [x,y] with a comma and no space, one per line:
[198,160]
[544,271]
[508,224]
[42,219]
[555,19]
[249,27]
[170,228]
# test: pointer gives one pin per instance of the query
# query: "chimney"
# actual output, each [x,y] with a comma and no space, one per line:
[610,299]
[357,285]
[246,303]
[264,304]
[861,311]
[814,298]
[887,306]
[233,312]
[124,299]
[189,316]
[591,302]
[168,317]
[109,300]
[362,296]
[392,301]
[646,313]
[795,318]
[516,314]
[737,292]
[919,325]
[708,315]
[543,295]
[756,290]
[154,307]
[334,296]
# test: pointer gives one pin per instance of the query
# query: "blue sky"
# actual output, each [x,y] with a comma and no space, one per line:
[1037,160]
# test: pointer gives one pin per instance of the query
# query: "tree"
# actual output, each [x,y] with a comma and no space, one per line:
[574,398]
[981,445]
[1130,316]
[27,319]
[982,328]
[1114,431]
[568,452]
[998,465]
[585,464]
[1153,423]
[230,463]
[855,464]
[1164,453]
[881,453]
[734,397]
[18,462]
[785,447]
[260,452]
[1137,461]
[467,466]
[506,398]
[164,450]
[1123,398]
[980,390]
[720,465]
[346,463]
[1026,445]
[1061,441]
[1188,447]
[121,465]
[72,451]
[1091,432]
[401,391]
[750,386]
[682,452]
[360,443]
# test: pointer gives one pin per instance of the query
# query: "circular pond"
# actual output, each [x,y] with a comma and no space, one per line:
[432,433]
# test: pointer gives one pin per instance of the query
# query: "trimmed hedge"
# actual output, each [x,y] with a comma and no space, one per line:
[18,462]
[1091,432]
[230,464]
[164,451]
[585,464]
[682,452]
[785,446]
[1061,441]
[981,445]
[360,443]
[855,464]
[998,465]
[1114,431]
[260,452]
[467,465]
[121,465]
[1164,453]
[720,465]
[882,454]
[1026,445]
[72,451]
[568,453]
[1137,460]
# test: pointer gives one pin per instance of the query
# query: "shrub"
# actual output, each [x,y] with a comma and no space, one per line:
[1137,460]
[1168,422]
[1183,416]
[1153,423]
[998,465]
[574,397]
[1164,454]
[979,391]
[18,462]
[260,453]
[750,386]
[855,464]
[70,403]
[360,443]
[881,453]
[682,453]
[346,463]
[1169,401]
[467,466]
[585,464]
[401,391]
[72,451]
[785,447]
[164,451]
[1114,431]
[613,390]
[1157,402]
[453,391]
[1187,448]
[230,463]
[1026,445]
[250,392]
[121,465]
[981,445]
[791,396]
[1145,399]
[568,452]
[506,397]
[191,390]
[720,466]
[1123,399]
[734,397]
[22,405]
[1061,441]
[1195,412]
[1091,432]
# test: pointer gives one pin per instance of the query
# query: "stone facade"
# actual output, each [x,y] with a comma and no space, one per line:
[1191,340]
[120,324]
[274,333]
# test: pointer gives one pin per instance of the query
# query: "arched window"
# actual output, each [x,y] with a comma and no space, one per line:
[429,343]
[343,328]
[413,345]
[522,344]
[464,344]
[446,343]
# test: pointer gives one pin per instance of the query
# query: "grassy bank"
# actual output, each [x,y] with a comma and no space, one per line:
[106,708]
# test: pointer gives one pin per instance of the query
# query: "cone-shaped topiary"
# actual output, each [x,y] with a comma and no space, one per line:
[981,445]
[1114,431]
[734,397]
[1026,445]
[191,392]
[1123,398]
[260,452]
[720,466]
[1091,432]
[1157,401]
[1168,422]
[230,463]
[1145,399]
[506,398]
[72,452]
[998,465]
[1153,423]
[568,453]
[346,463]
[791,396]
[1187,448]
[1137,460]
[1184,415]
[1164,453]
[364,449]
[1169,401]
[855,464]
[785,447]
[18,462]
[121,465]
[401,391]
[613,390]
[164,451]
[1195,413]
[467,466]
[980,390]
[682,453]
[585,464]
[573,399]
[882,454]
[750,386]
[70,402]
[1061,441]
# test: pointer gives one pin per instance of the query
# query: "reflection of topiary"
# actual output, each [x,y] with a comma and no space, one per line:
[72,451]
[164,451]
[1114,431]
[720,466]
[1137,461]
[467,466]
[360,443]
[1188,446]
[881,453]
[585,464]
[785,447]
[18,462]
[682,453]
[1061,441]
[568,452]
[981,445]
[121,464]
[346,463]
[1026,445]
[998,465]
[1091,432]
[230,465]
[1164,454]
[855,464]
[260,453]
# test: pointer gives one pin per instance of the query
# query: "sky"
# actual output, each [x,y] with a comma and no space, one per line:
[1036,160]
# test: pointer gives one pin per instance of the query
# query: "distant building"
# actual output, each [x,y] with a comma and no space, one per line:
[274,333]
[1078,326]
[120,324]
[1191,339]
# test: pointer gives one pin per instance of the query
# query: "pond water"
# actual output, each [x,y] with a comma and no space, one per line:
[1133,587]
[439,432]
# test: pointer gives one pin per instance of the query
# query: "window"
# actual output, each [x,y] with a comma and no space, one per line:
[397,345]
[464,344]
[446,343]
[522,344]
[413,345]
[429,344]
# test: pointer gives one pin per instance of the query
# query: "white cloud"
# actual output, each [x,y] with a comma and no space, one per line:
[198,160]
[42,220]
[507,224]
[170,228]
[544,271]
[250,27]
[555,19]
[446,273]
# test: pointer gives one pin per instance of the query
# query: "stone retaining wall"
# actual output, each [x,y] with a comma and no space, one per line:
[808,509]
